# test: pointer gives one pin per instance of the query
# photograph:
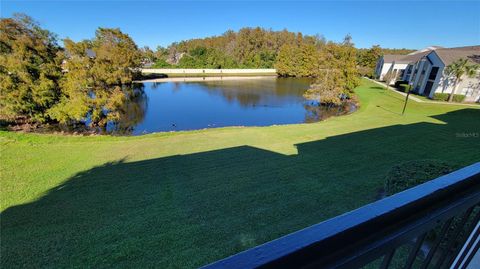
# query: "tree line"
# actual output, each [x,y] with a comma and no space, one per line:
[292,53]
[92,80]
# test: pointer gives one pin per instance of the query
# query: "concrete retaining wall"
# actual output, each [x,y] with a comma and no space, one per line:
[209,71]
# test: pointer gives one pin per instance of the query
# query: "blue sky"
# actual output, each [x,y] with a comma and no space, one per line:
[410,24]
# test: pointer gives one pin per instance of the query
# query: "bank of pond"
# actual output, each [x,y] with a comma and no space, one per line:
[191,105]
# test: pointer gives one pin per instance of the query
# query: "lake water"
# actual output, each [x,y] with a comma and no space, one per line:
[174,106]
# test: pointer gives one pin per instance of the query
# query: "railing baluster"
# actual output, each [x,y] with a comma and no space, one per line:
[441,236]
[468,232]
[387,259]
[454,236]
[475,249]
[414,251]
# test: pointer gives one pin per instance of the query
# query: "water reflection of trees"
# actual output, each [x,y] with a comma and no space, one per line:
[131,112]
[258,92]
[175,85]
[316,112]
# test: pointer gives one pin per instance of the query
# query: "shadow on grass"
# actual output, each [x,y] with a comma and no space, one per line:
[189,210]
[388,110]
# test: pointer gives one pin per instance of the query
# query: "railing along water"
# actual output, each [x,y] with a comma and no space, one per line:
[433,225]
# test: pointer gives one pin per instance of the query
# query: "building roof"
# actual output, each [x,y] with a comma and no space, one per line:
[388,58]
[427,49]
[450,55]
[411,57]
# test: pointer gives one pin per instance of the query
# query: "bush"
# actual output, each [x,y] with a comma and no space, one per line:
[444,97]
[440,96]
[399,82]
[404,87]
[458,98]
[412,173]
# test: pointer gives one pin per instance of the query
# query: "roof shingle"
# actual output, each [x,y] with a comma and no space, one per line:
[450,55]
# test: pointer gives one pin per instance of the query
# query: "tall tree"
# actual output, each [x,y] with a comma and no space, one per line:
[309,61]
[98,78]
[458,70]
[367,59]
[29,69]
[287,60]
[337,74]
[148,55]
[342,57]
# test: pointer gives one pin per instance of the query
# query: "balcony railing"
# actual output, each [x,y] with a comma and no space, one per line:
[433,225]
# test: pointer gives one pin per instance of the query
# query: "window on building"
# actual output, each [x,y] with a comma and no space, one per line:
[433,73]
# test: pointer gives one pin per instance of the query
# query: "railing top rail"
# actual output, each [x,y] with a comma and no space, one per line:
[357,224]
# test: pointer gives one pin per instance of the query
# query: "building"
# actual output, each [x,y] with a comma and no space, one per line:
[398,63]
[429,73]
[425,70]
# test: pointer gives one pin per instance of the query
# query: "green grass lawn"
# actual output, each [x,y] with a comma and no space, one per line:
[189,198]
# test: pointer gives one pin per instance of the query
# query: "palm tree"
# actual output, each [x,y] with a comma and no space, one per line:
[457,70]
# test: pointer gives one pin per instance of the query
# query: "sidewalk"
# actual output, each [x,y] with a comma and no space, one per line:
[419,100]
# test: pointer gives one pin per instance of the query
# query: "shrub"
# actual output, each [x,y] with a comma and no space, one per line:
[444,97]
[409,174]
[399,82]
[404,87]
[458,98]
[440,96]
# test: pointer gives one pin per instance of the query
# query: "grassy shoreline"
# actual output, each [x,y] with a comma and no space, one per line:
[184,199]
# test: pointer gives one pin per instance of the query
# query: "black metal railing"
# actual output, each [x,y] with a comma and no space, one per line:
[433,225]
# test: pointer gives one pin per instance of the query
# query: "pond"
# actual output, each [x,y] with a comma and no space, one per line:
[174,106]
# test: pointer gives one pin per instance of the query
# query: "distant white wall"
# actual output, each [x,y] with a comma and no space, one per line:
[384,69]
[470,87]
[400,68]
[394,67]
[209,71]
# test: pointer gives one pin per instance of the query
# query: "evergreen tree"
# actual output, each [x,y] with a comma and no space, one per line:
[98,78]
[367,60]
[309,61]
[286,60]
[29,70]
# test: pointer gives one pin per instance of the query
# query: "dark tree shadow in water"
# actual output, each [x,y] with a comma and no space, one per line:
[189,210]
[131,112]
